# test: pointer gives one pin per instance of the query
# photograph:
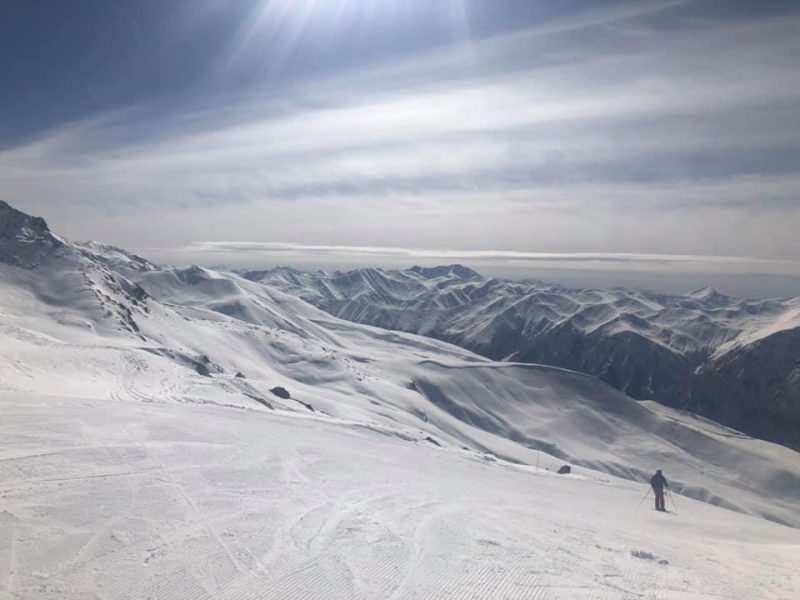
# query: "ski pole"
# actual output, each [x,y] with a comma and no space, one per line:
[646,494]
[671,497]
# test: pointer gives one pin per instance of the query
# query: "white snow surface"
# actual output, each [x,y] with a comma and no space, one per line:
[130,500]
[143,455]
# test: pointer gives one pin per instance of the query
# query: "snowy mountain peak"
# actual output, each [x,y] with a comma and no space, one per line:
[456,270]
[24,239]
[114,257]
[287,269]
[709,295]
[19,226]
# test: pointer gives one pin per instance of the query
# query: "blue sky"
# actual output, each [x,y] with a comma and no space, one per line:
[506,132]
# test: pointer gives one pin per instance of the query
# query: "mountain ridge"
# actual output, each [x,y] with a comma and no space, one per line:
[82,325]
[677,349]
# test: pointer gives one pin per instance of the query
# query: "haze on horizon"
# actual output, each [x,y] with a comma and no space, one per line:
[657,138]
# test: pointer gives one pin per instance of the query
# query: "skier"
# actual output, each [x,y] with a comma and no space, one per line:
[658,483]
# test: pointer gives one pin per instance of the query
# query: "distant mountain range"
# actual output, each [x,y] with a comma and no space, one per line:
[733,360]
[92,321]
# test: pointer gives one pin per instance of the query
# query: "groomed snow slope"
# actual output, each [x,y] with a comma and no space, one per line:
[115,500]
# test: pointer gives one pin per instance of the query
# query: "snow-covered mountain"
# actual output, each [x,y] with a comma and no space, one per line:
[174,433]
[733,360]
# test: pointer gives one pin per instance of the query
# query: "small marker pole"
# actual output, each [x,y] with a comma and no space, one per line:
[537,462]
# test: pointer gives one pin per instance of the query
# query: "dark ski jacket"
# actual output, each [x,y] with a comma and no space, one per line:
[658,482]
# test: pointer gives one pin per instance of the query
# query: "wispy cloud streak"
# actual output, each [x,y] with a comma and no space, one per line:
[440,254]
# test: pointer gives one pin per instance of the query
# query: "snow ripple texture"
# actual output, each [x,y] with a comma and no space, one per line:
[173,502]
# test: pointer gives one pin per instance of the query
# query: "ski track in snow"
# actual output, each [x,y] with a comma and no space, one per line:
[175,502]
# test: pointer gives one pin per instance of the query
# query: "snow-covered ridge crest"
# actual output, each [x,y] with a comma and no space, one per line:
[114,257]
[732,359]
[17,225]
[24,240]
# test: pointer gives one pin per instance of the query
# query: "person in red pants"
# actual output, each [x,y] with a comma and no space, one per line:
[658,482]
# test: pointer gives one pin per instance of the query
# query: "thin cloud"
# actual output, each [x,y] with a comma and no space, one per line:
[273,248]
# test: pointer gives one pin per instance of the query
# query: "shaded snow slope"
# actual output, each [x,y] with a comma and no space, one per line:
[132,500]
[731,359]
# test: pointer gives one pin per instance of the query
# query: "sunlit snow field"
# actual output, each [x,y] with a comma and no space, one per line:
[124,500]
